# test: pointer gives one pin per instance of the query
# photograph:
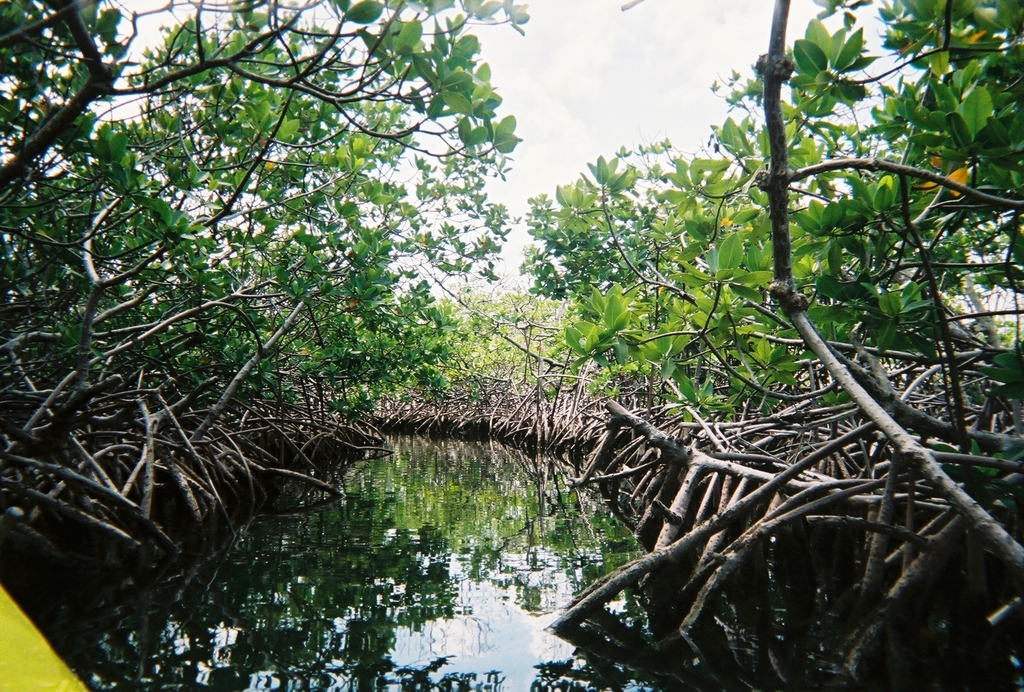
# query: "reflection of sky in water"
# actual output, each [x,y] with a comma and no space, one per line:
[492,632]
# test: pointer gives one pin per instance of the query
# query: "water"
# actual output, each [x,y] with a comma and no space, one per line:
[439,569]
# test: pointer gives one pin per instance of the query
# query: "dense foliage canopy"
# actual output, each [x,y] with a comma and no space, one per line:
[249,180]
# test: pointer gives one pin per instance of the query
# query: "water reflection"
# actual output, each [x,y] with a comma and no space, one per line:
[438,570]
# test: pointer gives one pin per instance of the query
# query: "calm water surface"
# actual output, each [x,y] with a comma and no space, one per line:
[439,569]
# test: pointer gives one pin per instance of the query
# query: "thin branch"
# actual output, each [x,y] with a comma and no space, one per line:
[229,392]
[876,164]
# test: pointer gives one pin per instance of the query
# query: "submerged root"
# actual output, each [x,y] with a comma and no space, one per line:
[826,512]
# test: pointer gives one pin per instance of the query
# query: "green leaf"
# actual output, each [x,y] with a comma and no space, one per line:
[457,102]
[733,137]
[741,217]
[746,292]
[621,351]
[425,68]
[695,272]
[939,63]
[288,128]
[810,59]
[755,278]
[885,195]
[506,143]
[829,287]
[959,130]
[612,311]
[851,92]
[106,25]
[976,109]
[487,10]
[602,171]
[910,292]
[466,47]
[575,339]
[1010,361]
[917,305]
[1012,390]
[1004,375]
[460,80]
[505,126]
[365,12]
[409,36]
[118,146]
[518,15]
[160,209]
[622,181]
[505,140]
[818,35]
[890,304]
[851,51]
[479,135]
[464,130]
[886,337]
[835,257]
[686,387]
[730,252]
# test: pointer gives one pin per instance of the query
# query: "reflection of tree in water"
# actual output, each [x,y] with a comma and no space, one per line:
[424,679]
[328,610]
[490,511]
[319,600]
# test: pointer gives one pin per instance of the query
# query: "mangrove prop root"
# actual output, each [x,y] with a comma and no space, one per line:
[818,493]
[121,468]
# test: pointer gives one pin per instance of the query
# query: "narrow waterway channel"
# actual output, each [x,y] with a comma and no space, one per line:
[439,569]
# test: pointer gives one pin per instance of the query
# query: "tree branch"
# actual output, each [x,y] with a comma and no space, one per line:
[229,392]
[876,164]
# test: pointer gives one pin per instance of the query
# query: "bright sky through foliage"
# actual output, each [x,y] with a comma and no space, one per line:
[588,78]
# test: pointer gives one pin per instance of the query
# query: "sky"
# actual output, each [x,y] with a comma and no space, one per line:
[588,78]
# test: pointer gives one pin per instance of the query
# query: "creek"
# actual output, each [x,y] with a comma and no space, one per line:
[438,570]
